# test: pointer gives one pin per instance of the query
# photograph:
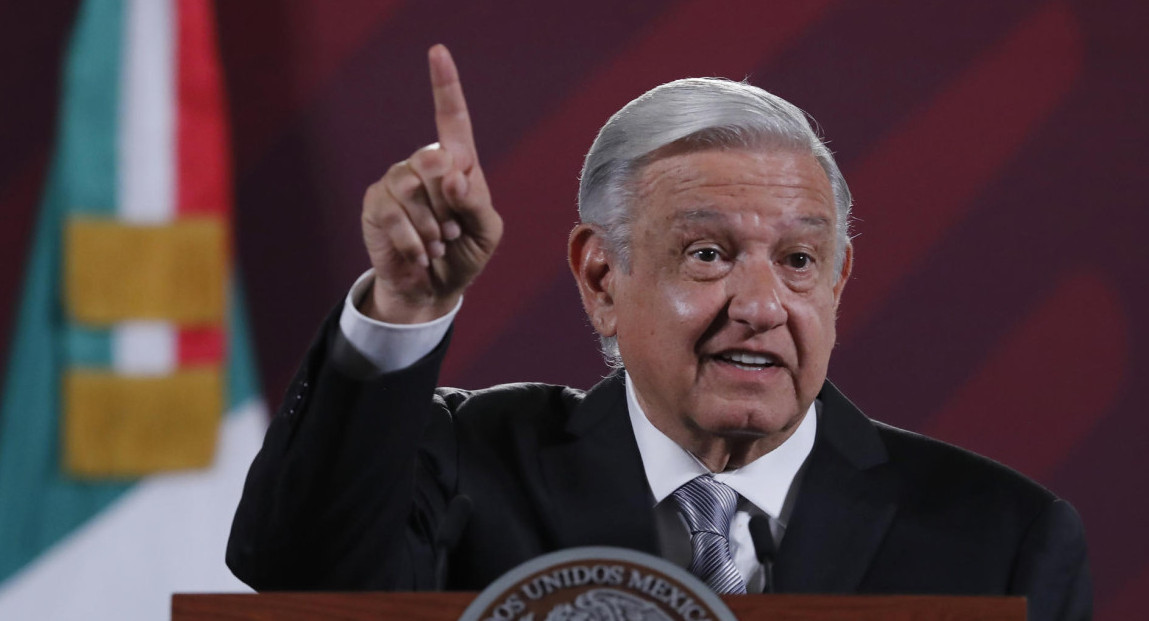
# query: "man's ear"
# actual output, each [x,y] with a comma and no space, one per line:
[594,271]
[844,274]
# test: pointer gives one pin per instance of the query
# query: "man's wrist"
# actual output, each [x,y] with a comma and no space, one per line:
[381,305]
[388,346]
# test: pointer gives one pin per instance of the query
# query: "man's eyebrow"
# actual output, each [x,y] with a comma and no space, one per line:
[701,214]
[815,221]
[713,215]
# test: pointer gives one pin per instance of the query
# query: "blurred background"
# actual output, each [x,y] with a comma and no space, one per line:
[996,152]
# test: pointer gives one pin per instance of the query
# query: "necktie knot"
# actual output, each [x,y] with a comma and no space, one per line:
[708,506]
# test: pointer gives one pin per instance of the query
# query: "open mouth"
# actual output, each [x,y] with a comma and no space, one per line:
[748,361]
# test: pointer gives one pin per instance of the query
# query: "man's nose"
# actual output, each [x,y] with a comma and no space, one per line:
[756,296]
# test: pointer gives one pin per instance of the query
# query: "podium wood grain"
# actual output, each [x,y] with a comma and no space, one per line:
[448,606]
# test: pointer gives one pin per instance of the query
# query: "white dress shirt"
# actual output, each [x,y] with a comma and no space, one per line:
[767,486]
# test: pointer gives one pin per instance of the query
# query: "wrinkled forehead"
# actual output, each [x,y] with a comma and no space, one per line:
[781,169]
[685,218]
[726,139]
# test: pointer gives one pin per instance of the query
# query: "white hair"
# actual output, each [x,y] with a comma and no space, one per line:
[692,114]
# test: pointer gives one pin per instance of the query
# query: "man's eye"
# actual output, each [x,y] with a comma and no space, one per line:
[706,255]
[799,260]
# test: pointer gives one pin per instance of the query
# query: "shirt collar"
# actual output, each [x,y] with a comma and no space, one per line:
[764,482]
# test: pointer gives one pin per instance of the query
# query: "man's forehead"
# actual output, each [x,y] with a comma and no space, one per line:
[783,171]
[720,185]
[720,216]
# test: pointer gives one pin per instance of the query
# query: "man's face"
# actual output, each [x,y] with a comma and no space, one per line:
[725,320]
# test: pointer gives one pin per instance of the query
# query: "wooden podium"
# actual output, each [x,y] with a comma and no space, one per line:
[448,607]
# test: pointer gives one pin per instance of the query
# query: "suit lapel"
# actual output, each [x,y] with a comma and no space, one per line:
[596,483]
[599,494]
[846,502]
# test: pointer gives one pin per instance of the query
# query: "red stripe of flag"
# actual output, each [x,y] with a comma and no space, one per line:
[203,159]
[203,168]
[201,346]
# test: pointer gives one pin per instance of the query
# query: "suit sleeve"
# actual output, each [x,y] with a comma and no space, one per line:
[1053,567]
[351,481]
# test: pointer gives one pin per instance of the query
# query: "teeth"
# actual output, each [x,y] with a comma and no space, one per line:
[749,359]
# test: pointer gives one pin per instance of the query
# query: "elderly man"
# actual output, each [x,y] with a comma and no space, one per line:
[711,257]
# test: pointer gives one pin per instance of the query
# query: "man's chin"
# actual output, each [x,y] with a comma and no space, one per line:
[751,423]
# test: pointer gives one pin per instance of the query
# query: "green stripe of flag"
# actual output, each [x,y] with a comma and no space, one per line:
[38,504]
[242,381]
[87,348]
[89,113]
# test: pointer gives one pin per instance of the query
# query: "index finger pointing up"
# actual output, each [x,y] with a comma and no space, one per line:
[452,120]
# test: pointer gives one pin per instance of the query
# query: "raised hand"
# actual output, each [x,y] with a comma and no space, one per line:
[428,224]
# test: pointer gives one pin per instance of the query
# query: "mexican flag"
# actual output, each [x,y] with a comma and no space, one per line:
[130,408]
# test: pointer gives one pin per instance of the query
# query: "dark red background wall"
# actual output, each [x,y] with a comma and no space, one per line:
[996,151]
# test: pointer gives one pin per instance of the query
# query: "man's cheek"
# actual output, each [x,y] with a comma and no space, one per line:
[687,303]
[682,306]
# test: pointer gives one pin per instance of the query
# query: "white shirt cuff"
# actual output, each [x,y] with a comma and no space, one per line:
[389,346]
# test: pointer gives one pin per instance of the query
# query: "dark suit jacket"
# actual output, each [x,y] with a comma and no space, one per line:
[354,478]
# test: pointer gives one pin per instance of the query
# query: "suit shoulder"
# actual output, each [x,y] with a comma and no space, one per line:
[514,403]
[941,469]
[517,393]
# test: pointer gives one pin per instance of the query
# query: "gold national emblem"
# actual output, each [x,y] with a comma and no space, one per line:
[597,584]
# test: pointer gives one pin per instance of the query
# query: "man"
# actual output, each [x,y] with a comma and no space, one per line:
[711,256]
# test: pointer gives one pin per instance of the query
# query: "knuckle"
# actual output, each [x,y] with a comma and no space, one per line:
[392,218]
[409,249]
[404,184]
[413,252]
[406,244]
[396,169]
[377,201]
[424,222]
[427,151]
[431,161]
[373,194]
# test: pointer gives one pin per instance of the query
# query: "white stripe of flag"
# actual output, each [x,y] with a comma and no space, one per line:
[144,348]
[146,169]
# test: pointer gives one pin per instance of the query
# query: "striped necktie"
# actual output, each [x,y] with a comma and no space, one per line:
[708,507]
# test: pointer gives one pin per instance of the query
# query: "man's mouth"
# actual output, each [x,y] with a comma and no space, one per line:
[748,361]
